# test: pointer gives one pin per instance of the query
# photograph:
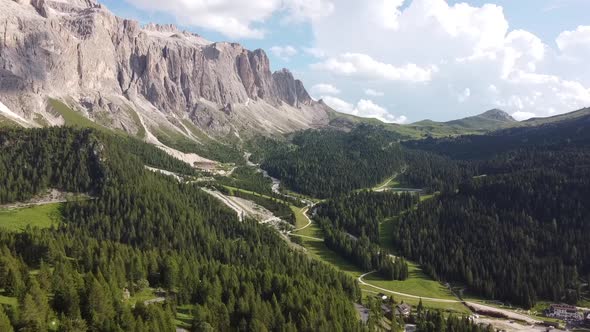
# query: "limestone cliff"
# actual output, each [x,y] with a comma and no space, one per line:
[122,75]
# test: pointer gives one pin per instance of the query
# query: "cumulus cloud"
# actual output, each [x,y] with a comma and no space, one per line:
[284,52]
[374,93]
[364,67]
[300,10]
[451,47]
[364,108]
[236,19]
[324,88]
[575,44]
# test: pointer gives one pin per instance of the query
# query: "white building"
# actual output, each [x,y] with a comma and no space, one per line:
[564,311]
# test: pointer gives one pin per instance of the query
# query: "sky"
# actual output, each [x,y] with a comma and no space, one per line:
[407,60]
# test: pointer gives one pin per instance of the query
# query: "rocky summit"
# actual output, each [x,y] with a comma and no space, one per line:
[136,78]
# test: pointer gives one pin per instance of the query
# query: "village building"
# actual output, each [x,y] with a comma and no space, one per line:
[564,311]
[403,310]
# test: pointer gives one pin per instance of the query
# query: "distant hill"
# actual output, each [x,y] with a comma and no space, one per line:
[558,132]
[479,124]
[584,112]
[490,120]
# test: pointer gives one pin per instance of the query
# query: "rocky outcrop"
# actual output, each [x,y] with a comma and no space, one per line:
[79,52]
[289,89]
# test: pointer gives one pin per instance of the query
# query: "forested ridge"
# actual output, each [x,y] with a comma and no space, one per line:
[351,228]
[517,229]
[143,229]
[360,213]
[325,163]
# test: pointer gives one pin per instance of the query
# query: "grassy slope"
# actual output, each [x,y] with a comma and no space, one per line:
[141,133]
[10,301]
[71,117]
[418,284]
[6,122]
[43,216]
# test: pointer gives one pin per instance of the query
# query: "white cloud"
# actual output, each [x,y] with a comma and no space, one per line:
[301,10]
[464,95]
[324,88]
[374,93]
[520,116]
[315,52]
[236,19]
[575,44]
[362,66]
[452,46]
[364,108]
[338,104]
[284,52]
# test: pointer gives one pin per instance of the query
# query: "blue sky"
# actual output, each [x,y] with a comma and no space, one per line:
[406,60]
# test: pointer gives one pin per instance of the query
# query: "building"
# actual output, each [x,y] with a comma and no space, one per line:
[564,311]
[403,309]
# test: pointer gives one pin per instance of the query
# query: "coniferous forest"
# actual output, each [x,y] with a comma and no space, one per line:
[509,219]
[326,163]
[351,228]
[140,229]
[517,229]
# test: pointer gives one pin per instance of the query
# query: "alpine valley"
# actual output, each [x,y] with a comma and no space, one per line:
[152,180]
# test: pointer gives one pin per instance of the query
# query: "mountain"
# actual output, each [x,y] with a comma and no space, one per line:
[154,81]
[488,121]
[582,113]
[559,133]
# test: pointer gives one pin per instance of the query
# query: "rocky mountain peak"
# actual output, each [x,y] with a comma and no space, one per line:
[289,89]
[161,27]
[499,115]
[77,50]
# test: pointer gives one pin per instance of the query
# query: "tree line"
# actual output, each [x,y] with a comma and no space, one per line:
[141,230]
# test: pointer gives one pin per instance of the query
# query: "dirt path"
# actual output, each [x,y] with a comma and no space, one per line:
[239,211]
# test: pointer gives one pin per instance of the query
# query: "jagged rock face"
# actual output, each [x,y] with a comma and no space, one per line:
[289,89]
[78,49]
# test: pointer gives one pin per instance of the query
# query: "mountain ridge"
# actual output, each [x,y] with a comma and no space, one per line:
[102,66]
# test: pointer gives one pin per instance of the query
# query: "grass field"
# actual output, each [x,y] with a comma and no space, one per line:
[6,122]
[143,295]
[43,216]
[6,300]
[418,284]
[184,316]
